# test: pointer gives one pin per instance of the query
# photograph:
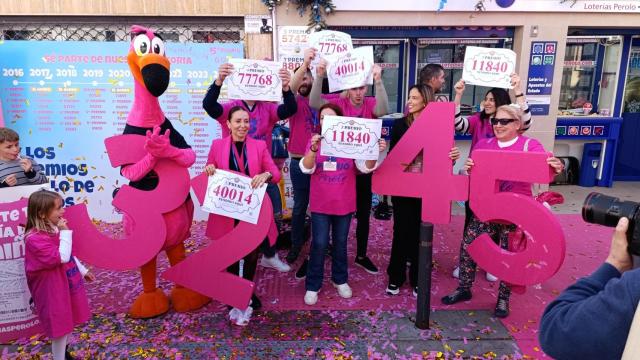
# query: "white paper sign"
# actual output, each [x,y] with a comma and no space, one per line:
[351,69]
[231,195]
[254,80]
[488,67]
[292,40]
[350,138]
[327,43]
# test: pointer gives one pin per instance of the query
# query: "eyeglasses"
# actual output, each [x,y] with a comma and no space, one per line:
[503,122]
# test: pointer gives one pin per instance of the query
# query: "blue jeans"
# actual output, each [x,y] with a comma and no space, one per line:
[301,184]
[273,191]
[320,226]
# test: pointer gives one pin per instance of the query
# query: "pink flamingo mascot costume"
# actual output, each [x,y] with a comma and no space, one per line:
[150,69]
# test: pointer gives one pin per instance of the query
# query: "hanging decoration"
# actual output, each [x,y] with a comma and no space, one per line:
[441,5]
[318,9]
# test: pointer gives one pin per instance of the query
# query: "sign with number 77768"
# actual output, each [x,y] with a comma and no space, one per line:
[437,186]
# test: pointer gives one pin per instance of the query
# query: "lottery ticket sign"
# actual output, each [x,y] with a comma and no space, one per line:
[488,67]
[231,195]
[292,40]
[350,138]
[351,69]
[254,80]
[327,43]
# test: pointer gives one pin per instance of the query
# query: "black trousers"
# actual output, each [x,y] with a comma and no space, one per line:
[363,212]
[406,238]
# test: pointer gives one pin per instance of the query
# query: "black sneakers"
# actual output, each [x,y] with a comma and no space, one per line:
[367,265]
[255,302]
[392,289]
[457,296]
[502,308]
[293,254]
[302,271]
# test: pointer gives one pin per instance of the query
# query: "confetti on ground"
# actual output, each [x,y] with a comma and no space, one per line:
[370,325]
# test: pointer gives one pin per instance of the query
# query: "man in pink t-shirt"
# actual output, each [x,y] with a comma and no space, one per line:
[356,104]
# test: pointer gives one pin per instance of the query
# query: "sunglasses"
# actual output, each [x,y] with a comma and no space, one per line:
[503,122]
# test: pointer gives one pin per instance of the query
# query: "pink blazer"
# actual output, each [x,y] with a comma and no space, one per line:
[259,161]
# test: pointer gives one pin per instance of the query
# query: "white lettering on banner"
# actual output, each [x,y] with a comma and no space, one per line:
[231,195]
[254,80]
[602,6]
[584,63]
[488,66]
[350,70]
[350,138]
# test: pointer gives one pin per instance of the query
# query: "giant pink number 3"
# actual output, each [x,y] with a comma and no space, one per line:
[144,207]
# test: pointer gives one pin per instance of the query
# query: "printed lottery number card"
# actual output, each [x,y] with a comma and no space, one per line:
[231,195]
[292,40]
[488,67]
[255,80]
[350,138]
[327,43]
[350,70]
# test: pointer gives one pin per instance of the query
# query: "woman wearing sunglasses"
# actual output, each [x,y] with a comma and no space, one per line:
[479,126]
[507,126]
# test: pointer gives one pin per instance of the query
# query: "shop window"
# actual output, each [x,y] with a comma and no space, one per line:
[589,75]
[386,53]
[450,54]
[632,85]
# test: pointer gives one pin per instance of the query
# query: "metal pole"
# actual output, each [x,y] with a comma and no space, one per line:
[425,256]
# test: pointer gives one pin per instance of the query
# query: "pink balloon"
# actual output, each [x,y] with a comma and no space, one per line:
[144,207]
[222,252]
[545,248]
[431,133]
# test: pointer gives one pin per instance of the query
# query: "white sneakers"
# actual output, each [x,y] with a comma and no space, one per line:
[344,290]
[311,297]
[456,274]
[274,263]
[240,317]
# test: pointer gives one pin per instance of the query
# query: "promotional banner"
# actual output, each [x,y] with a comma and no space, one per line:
[351,69]
[64,98]
[327,43]
[231,195]
[582,6]
[540,76]
[350,138]
[17,310]
[292,40]
[254,80]
[488,67]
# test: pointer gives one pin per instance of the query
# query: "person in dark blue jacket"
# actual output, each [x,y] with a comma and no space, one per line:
[591,318]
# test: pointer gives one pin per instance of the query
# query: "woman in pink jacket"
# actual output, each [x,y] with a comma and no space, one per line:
[241,153]
[55,278]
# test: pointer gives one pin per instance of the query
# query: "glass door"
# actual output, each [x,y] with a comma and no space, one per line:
[389,54]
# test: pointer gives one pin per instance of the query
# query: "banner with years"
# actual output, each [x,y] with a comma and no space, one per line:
[350,138]
[254,80]
[350,70]
[488,67]
[231,195]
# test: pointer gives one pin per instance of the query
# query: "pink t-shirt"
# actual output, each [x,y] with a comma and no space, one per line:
[517,187]
[365,111]
[261,120]
[304,123]
[333,192]
[479,129]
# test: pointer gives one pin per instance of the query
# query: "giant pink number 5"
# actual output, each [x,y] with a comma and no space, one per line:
[144,207]
[223,252]
[545,248]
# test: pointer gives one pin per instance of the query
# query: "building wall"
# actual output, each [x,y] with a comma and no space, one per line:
[257,46]
[551,27]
